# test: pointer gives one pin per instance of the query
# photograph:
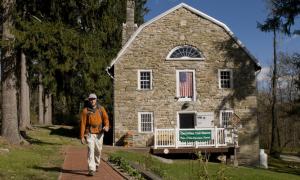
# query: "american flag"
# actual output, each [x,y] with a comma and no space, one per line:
[186,84]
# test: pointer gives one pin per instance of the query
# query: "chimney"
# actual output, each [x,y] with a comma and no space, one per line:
[129,27]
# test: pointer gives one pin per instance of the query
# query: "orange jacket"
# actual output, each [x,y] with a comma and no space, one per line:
[88,118]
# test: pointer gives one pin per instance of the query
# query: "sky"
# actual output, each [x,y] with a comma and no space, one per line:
[241,16]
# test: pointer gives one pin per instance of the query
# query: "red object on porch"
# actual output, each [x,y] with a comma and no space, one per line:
[128,139]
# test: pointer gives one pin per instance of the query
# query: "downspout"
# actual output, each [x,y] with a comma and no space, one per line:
[111,76]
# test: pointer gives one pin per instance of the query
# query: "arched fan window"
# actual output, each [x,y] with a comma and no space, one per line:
[185,52]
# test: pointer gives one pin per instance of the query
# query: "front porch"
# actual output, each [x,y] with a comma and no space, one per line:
[210,140]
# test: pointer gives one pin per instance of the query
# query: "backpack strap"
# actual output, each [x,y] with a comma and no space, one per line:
[99,107]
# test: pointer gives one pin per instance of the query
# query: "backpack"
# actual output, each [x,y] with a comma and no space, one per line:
[94,124]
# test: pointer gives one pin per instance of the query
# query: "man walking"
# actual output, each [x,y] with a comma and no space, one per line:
[92,131]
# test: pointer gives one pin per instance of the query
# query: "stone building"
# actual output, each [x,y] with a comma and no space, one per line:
[185,70]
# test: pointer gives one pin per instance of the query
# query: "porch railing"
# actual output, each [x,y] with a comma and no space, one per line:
[170,138]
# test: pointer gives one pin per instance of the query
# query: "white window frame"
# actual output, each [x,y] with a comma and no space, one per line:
[231,77]
[140,122]
[177,85]
[221,120]
[139,79]
[183,58]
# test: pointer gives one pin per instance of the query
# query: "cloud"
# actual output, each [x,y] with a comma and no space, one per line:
[295,36]
[264,74]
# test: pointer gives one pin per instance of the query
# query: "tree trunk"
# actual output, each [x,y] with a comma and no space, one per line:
[48,109]
[10,129]
[41,102]
[45,109]
[24,97]
[275,141]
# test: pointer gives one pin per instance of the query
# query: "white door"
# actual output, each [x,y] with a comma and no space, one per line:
[204,120]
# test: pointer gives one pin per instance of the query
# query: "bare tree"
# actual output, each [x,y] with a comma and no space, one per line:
[287,76]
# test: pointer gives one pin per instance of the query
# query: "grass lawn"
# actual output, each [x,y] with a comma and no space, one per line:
[193,169]
[42,159]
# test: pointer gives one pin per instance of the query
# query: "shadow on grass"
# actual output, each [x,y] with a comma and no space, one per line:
[66,171]
[72,132]
[284,166]
[39,142]
[36,141]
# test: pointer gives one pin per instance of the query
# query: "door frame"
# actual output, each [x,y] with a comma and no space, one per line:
[185,112]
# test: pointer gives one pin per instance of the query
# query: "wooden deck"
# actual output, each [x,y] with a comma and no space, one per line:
[229,150]
[205,140]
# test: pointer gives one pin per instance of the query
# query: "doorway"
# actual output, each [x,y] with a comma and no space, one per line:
[186,120]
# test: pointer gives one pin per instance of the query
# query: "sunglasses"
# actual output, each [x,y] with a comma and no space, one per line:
[91,99]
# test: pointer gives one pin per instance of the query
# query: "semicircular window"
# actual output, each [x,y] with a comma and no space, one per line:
[185,52]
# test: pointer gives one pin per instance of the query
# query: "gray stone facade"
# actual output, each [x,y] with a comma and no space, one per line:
[149,50]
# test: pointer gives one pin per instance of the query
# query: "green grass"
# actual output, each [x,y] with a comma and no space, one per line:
[42,159]
[284,166]
[190,169]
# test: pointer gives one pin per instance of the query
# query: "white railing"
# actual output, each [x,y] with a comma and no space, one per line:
[170,138]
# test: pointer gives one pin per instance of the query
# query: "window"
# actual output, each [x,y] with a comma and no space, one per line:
[185,52]
[144,79]
[185,85]
[225,78]
[145,122]
[225,116]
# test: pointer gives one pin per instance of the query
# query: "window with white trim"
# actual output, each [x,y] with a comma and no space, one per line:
[185,80]
[144,79]
[185,52]
[145,122]
[225,78]
[225,116]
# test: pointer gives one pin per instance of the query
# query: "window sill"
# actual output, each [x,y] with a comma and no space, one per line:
[144,89]
[185,99]
[148,132]
[185,59]
[226,88]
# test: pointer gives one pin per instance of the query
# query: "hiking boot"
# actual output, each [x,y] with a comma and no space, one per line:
[91,173]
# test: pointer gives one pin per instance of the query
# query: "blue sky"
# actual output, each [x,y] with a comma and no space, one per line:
[241,17]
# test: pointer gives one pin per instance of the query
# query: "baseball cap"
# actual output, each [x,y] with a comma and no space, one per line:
[92,96]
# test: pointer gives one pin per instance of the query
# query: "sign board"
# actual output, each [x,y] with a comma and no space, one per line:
[204,119]
[194,135]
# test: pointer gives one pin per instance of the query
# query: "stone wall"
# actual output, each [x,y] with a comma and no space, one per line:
[149,51]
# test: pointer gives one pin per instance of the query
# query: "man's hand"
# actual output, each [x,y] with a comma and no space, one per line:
[83,141]
[105,129]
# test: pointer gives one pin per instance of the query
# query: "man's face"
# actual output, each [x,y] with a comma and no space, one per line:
[93,101]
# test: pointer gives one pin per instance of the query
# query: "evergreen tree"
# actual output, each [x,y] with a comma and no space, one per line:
[140,11]
[287,10]
[70,44]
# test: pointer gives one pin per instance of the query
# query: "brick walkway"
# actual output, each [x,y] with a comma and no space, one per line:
[75,167]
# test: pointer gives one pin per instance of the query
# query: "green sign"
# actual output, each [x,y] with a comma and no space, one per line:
[194,135]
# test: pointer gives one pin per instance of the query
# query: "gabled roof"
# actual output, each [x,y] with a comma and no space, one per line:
[122,51]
